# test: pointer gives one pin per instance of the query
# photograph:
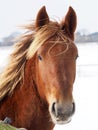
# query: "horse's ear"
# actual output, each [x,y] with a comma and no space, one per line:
[69,23]
[42,18]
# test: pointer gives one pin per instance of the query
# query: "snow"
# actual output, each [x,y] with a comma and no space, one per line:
[4,53]
[85,87]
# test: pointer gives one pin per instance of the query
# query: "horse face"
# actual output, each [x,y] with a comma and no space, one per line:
[56,68]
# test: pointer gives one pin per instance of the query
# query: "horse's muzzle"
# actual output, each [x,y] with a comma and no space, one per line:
[62,113]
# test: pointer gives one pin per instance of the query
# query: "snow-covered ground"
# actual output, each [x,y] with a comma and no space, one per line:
[85,87]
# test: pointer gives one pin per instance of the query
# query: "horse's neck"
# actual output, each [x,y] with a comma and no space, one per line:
[25,107]
[39,116]
[33,110]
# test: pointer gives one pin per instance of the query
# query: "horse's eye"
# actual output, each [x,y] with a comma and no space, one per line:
[39,57]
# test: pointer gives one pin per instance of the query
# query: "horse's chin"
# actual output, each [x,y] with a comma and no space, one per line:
[60,122]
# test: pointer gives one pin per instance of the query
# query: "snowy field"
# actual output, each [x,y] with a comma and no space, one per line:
[85,87]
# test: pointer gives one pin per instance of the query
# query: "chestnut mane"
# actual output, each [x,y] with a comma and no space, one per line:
[25,49]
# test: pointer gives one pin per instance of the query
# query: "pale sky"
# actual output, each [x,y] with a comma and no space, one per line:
[17,12]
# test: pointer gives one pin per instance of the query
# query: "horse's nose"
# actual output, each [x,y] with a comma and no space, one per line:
[63,111]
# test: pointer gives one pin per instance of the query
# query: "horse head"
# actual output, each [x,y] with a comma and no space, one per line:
[56,64]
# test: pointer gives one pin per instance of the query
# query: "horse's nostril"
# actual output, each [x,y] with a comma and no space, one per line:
[53,107]
[73,107]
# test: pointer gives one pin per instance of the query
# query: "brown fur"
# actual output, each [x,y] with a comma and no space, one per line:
[22,94]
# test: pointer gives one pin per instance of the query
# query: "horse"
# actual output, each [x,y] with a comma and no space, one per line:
[36,86]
